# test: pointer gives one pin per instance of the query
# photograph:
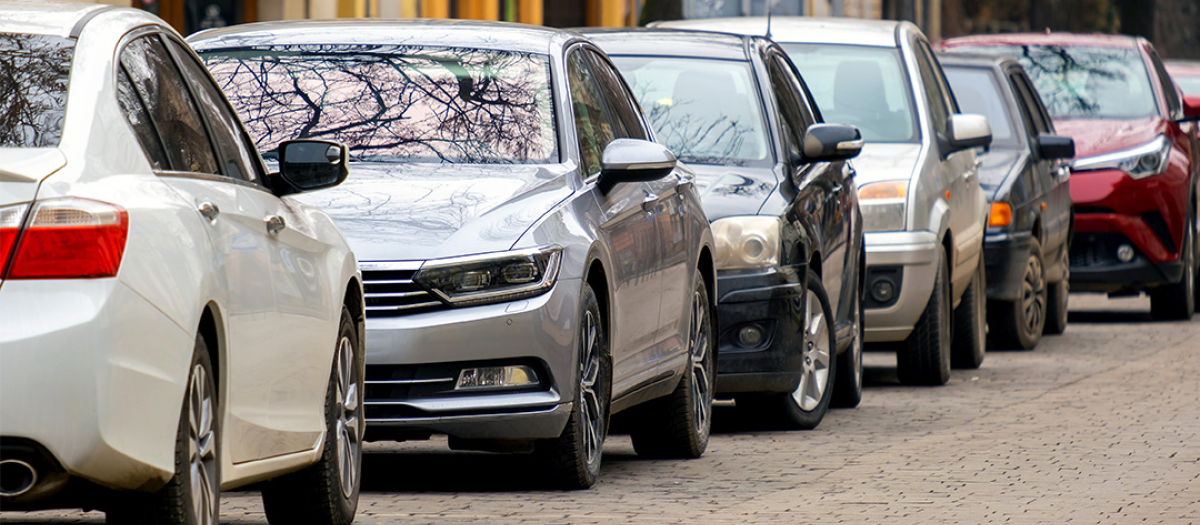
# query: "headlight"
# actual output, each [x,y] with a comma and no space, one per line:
[1140,162]
[492,278]
[746,242]
[883,205]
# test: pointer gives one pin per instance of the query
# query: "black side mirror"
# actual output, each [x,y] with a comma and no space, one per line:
[633,160]
[1056,147]
[829,142]
[307,165]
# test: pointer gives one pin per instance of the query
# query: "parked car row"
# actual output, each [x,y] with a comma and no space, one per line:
[233,259]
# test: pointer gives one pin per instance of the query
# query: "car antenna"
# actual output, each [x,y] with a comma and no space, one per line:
[768,18]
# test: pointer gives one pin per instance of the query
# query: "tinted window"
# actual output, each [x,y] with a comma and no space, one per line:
[627,116]
[135,112]
[593,120]
[861,86]
[978,92]
[392,103]
[238,161]
[1086,82]
[34,71]
[787,102]
[169,105]
[706,111]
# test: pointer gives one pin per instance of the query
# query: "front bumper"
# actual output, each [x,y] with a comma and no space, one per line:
[916,253]
[771,302]
[93,376]
[413,362]
[1111,210]
[1005,255]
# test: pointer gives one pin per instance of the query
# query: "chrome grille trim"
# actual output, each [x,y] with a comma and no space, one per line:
[389,290]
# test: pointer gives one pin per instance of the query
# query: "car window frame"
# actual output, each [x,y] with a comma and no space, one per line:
[1170,91]
[946,102]
[572,51]
[791,141]
[602,67]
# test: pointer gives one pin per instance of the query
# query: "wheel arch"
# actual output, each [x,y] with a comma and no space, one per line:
[212,328]
[596,276]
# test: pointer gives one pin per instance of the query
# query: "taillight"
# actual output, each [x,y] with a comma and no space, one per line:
[67,238]
[10,224]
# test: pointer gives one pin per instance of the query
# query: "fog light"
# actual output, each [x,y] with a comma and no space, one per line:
[882,291]
[1125,253]
[750,336]
[496,377]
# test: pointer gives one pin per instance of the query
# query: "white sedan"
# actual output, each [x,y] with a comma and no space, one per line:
[171,325]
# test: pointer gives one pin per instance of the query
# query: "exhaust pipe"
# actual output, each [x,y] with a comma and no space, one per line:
[16,477]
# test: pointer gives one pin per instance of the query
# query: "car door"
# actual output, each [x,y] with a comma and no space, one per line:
[958,170]
[305,314]
[1052,175]
[817,184]
[236,231]
[627,225]
[673,261]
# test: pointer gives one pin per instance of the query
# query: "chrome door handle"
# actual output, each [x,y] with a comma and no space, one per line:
[650,202]
[209,210]
[684,185]
[275,224]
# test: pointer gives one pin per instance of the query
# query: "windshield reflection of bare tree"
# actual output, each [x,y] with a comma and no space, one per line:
[1058,64]
[33,89]
[696,130]
[412,103]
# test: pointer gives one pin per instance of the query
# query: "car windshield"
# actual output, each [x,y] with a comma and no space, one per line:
[978,92]
[861,86]
[707,111]
[1086,82]
[392,103]
[34,71]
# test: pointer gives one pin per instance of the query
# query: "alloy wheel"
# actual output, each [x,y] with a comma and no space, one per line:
[701,383]
[1033,296]
[591,410]
[348,416]
[202,441]
[814,374]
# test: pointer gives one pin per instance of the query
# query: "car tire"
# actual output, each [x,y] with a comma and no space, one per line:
[925,357]
[970,324]
[806,405]
[326,492]
[1058,299]
[1019,324]
[847,385]
[1177,301]
[192,496]
[678,426]
[573,458]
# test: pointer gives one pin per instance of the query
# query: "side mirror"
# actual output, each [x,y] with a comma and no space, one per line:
[307,165]
[633,160]
[1191,107]
[967,131]
[829,142]
[1056,147]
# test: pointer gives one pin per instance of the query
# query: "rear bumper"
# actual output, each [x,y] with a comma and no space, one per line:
[771,302]
[92,376]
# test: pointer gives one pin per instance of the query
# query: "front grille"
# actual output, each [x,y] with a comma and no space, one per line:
[391,291]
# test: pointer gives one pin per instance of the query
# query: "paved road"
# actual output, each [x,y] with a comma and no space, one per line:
[1099,425]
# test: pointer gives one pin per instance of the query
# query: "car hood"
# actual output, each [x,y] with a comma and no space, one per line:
[21,169]
[395,212]
[995,167]
[731,190]
[885,161]
[1097,136]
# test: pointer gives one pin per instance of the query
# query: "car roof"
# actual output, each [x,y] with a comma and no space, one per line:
[44,18]
[1043,39]
[877,33]
[669,42]
[448,33]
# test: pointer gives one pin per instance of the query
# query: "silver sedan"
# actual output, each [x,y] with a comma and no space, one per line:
[533,262]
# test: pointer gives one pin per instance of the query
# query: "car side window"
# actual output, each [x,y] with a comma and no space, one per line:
[625,113]
[939,107]
[593,124]
[788,104]
[808,108]
[226,130]
[1170,95]
[1030,105]
[135,113]
[169,105]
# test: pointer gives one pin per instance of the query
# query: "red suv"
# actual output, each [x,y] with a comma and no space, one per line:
[1134,178]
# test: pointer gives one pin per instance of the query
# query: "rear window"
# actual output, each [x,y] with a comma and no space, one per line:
[393,103]
[34,72]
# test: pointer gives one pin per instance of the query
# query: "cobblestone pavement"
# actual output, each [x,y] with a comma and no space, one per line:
[1099,425]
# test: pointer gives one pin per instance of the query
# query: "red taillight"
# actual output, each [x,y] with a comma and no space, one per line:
[69,239]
